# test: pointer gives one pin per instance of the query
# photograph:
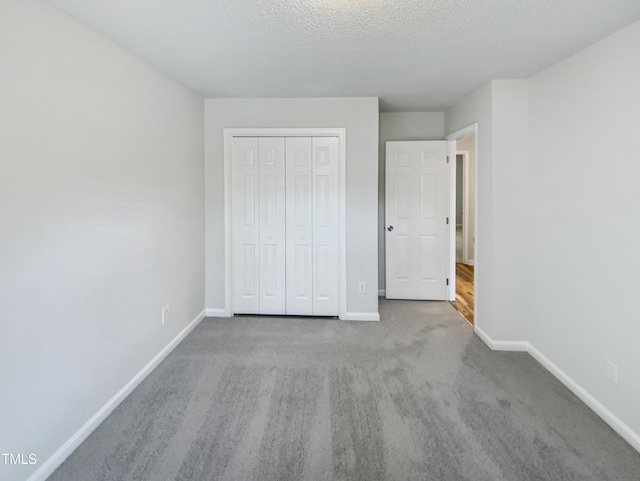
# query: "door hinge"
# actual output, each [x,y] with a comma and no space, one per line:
[447,281]
[447,221]
[447,159]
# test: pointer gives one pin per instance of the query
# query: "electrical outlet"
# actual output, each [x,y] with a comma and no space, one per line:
[612,371]
[165,314]
[362,287]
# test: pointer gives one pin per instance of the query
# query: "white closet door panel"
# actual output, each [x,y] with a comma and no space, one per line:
[325,225]
[245,204]
[299,265]
[272,225]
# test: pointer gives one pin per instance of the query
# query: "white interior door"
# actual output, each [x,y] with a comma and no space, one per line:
[416,216]
[299,226]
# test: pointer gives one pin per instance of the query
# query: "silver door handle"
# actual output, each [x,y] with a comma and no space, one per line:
[390,228]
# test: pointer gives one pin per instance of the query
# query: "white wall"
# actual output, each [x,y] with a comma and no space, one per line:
[401,126]
[585,219]
[500,110]
[477,108]
[101,223]
[558,220]
[360,118]
[510,226]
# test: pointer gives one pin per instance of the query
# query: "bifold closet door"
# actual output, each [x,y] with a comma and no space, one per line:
[272,225]
[299,226]
[325,225]
[285,225]
[312,225]
[258,222]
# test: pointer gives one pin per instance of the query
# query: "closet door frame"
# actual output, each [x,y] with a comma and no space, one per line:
[340,133]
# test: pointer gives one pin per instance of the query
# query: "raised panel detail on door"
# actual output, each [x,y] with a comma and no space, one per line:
[416,209]
[428,250]
[269,288]
[250,287]
[403,260]
[325,226]
[299,235]
[272,225]
[322,272]
[301,279]
[429,197]
[322,205]
[250,201]
[245,224]
[403,196]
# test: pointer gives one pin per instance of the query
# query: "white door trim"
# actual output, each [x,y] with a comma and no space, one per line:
[340,133]
[452,138]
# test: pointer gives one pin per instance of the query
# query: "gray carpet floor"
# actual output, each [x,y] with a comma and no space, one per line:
[416,396]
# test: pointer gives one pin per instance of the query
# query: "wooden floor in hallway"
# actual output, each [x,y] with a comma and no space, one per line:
[464,291]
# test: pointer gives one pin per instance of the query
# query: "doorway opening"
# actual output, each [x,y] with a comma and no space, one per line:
[464,201]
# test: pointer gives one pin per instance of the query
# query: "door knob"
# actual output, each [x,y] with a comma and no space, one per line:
[390,228]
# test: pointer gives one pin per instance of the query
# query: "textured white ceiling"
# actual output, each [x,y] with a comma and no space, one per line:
[413,54]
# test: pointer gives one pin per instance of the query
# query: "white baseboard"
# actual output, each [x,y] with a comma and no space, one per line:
[362,316]
[63,452]
[382,292]
[216,312]
[518,346]
[611,419]
[628,434]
